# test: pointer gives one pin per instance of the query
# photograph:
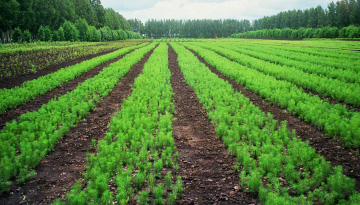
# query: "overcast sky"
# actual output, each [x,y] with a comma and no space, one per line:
[206,9]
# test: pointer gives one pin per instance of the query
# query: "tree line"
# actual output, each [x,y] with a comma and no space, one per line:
[338,20]
[204,28]
[339,15]
[325,32]
[30,15]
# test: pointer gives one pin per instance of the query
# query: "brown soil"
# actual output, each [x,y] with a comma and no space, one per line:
[63,167]
[329,148]
[205,166]
[17,81]
[35,104]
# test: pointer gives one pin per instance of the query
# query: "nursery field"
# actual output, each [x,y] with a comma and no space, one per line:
[180,121]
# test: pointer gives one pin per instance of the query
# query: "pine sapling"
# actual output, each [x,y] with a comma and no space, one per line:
[143,197]
[168,180]
[159,191]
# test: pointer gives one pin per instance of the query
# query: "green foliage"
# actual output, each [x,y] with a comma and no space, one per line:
[55,36]
[199,28]
[178,188]
[93,144]
[143,197]
[93,35]
[159,191]
[126,35]
[82,26]
[336,120]
[41,33]
[26,140]
[70,31]
[17,35]
[30,89]
[121,34]
[24,175]
[115,35]
[61,34]
[10,10]
[309,61]
[47,34]
[168,180]
[324,85]
[151,183]
[352,32]
[106,34]
[44,33]
[139,179]
[132,152]
[324,32]
[97,36]
[341,187]
[115,21]
[158,166]
[171,198]
[90,34]
[254,181]
[27,36]
[275,164]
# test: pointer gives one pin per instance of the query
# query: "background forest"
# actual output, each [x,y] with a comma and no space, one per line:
[340,14]
[76,17]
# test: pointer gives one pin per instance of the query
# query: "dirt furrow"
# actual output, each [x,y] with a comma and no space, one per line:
[34,105]
[206,168]
[63,167]
[329,148]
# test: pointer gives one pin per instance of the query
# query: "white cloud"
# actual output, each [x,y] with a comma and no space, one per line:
[213,9]
[126,5]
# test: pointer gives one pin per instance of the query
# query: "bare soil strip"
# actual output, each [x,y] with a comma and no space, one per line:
[206,168]
[329,148]
[63,167]
[308,91]
[35,104]
[18,80]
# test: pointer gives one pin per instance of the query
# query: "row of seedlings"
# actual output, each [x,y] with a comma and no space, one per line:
[30,89]
[335,119]
[274,164]
[35,46]
[330,48]
[325,86]
[285,58]
[32,60]
[136,160]
[25,141]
